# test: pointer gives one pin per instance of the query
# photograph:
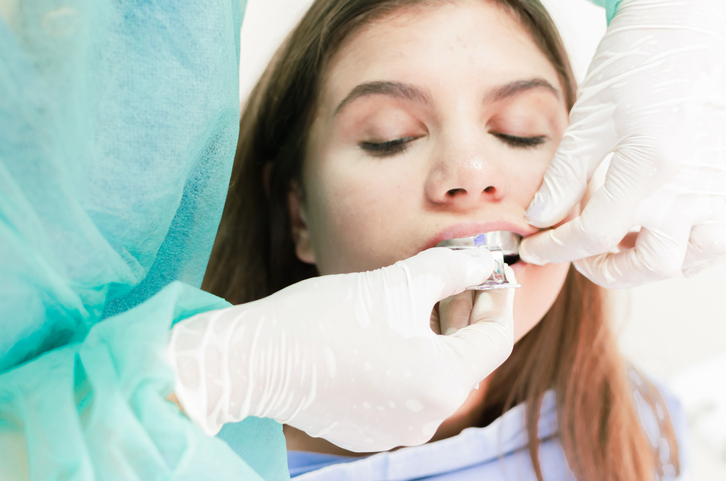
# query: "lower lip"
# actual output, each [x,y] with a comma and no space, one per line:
[518,266]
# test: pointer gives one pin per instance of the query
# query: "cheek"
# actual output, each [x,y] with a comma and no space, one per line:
[525,178]
[540,287]
[354,220]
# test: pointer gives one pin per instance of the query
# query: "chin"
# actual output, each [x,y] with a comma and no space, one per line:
[540,287]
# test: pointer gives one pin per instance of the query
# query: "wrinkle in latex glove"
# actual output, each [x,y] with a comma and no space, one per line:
[655,95]
[350,358]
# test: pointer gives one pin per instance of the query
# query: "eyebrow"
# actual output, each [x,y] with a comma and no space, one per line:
[408,92]
[391,89]
[518,86]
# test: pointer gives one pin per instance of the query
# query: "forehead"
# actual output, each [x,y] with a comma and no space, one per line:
[444,44]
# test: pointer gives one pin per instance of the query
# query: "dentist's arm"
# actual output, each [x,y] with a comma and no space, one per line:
[655,96]
[350,358]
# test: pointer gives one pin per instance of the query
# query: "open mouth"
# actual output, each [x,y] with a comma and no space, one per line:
[504,241]
[511,259]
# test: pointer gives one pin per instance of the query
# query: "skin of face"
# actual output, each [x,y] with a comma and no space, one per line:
[462,83]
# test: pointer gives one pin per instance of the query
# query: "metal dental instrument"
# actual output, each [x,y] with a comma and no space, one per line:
[504,247]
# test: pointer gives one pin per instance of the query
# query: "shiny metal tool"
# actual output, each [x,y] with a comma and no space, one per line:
[503,245]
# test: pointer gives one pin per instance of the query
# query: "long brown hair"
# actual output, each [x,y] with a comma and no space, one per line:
[571,351]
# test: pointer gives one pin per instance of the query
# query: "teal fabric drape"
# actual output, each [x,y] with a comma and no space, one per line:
[118,125]
[610,7]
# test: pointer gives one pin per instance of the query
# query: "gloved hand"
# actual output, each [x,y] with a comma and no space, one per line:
[350,358]
[655,95]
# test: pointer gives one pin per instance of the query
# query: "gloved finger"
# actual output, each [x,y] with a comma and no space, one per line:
[579,238]
[455,312]
[706,247]
[435,274]
[488,341]
[609,215]
[586,142]
[657,255]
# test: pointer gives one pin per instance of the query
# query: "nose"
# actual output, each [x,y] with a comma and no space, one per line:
[465,178]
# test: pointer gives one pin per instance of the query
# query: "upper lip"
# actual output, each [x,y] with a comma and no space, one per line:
[469,229]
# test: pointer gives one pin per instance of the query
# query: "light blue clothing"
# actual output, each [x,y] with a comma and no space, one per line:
[118,127]
[301,462]
[497,452]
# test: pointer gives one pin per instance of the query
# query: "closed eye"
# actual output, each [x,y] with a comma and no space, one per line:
[520,142]
[390,147]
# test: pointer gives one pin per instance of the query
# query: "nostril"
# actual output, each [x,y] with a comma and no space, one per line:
[490,190]
[455,192]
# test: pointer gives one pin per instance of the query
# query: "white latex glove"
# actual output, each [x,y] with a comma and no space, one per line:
[350,358]
[655,95]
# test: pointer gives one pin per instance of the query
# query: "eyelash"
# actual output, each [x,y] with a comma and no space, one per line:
[520,142]
[390,147]
[393,147]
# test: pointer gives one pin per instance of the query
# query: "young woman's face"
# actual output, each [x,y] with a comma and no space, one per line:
[432,123]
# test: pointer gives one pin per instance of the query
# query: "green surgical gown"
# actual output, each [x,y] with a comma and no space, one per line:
[118,126]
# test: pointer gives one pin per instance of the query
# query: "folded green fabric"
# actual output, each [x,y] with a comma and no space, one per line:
[118,125]
[97,409]
[610,7]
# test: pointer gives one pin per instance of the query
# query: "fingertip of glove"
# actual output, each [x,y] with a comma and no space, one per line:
[546,209]
[538,212]
[526,254]
[479,264]
[538,220]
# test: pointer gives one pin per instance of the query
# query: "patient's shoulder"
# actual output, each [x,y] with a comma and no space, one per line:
[661,415]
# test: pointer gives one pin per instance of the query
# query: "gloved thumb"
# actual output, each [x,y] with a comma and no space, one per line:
[585,143]
[488,341]
[438,273]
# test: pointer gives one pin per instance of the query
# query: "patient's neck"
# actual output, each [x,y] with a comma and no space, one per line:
[468,415]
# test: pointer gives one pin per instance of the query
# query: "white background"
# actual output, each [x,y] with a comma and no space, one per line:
[675,329]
